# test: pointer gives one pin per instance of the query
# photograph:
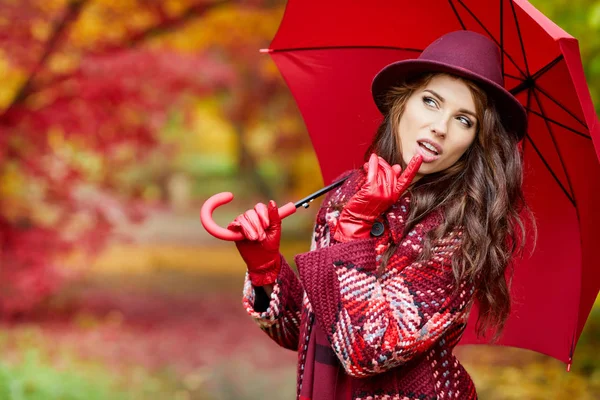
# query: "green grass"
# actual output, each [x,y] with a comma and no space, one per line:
[33,369]
[34,378]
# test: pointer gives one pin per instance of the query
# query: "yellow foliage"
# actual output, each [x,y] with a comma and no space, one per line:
[305,175]
[11,181]
[75,154]
[226,26]
[268,69]
[51,6]
[12,79]
[93,24]
[24,197]
[213,133]
[174,8]
[62,63]
[110,20]
[113,20]
[260,139]
[41,29]
[56,139]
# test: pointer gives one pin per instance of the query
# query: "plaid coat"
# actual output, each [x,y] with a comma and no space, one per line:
[361,335]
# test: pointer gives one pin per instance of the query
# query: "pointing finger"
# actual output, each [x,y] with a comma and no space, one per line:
[409,173]
[372,172]
[387,176]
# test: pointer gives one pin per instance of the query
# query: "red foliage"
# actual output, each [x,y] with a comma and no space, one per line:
[116,96]
[27,272]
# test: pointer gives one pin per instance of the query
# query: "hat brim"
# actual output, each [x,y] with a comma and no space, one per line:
[512,112]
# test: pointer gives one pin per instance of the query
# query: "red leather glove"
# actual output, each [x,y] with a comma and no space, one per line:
[261,228]
[382,188]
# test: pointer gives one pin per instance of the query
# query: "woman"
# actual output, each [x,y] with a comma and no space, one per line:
[405,246]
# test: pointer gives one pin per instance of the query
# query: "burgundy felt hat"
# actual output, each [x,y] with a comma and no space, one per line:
[461,53]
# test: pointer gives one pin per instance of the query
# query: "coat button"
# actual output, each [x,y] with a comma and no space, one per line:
[377,229]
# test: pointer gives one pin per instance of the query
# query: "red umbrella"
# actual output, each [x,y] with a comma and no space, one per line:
[329,51]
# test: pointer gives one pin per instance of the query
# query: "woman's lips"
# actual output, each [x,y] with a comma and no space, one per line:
[428,155]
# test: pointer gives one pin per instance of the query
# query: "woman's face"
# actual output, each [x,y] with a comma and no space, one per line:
[439,122]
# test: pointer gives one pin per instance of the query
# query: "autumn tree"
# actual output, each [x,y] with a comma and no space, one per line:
[85,94]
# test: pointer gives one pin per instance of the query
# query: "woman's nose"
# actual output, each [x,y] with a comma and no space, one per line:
[439,127]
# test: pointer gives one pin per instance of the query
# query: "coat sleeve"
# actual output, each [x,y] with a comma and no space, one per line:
[378,323]
[281,319]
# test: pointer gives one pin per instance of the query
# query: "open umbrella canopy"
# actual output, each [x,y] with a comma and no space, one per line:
[328,53]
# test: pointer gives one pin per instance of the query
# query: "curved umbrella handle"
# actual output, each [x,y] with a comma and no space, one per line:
[225,234]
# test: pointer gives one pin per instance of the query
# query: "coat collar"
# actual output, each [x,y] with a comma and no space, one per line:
[396,215]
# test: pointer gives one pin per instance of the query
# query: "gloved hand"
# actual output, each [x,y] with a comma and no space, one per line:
[261,228]
[382,188]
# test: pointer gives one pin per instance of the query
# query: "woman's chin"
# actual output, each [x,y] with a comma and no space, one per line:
[426,169]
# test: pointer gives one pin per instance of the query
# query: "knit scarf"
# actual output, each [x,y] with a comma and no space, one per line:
[324,377]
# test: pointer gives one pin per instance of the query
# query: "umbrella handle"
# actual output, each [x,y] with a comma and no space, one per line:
[225,234]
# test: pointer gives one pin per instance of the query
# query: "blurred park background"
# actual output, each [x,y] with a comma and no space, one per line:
[118,118]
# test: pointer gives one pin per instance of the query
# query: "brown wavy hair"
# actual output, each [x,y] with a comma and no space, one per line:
[481,195]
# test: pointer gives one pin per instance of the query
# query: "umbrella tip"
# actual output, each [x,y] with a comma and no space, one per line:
[569,364]
[265,50]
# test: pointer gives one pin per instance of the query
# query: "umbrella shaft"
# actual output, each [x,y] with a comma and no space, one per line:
[305,202]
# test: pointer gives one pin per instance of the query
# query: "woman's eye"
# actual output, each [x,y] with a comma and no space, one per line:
[429,101]
[465,121]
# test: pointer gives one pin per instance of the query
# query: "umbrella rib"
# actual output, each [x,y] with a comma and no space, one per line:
[547,67]
[528,108]
[343,48]
[550,169]
[561,106]
[457,15]
[492,37]
[512,6]
[559,124]
[572,198]
[515,77]
[529,82]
